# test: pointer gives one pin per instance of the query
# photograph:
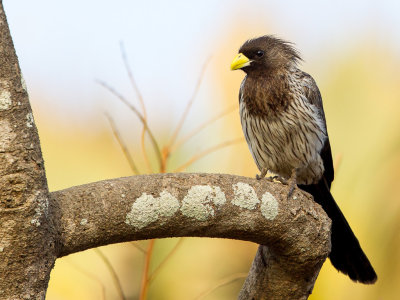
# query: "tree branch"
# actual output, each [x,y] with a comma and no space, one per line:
[275,277]
[296,230]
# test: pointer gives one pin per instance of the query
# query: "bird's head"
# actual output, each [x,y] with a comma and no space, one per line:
[265,54]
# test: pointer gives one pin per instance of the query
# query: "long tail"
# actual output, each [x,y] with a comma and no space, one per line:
[346,253]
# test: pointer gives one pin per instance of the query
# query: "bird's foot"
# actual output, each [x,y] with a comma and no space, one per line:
[280,179]
[262,175]
[272,178]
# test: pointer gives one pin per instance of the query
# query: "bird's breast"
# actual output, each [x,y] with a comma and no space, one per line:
[288,139]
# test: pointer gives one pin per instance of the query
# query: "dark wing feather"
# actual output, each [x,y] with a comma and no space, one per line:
[326,156]
[313,95]
[346,253]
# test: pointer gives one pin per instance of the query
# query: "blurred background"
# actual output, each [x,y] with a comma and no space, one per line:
[351,48]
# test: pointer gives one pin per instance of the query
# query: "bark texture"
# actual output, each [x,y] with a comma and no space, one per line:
[296,230]
[37,226]
[27,236]
[275,277]
[209,205]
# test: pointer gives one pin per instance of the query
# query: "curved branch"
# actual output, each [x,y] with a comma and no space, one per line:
[296,230]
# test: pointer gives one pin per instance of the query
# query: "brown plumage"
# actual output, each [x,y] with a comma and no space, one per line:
[284,125]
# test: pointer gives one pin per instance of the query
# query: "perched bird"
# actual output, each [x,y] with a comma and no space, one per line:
[284,125]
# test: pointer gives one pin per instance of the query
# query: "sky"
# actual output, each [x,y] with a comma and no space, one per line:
[68,45]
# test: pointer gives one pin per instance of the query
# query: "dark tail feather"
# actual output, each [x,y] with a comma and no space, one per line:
[346,254]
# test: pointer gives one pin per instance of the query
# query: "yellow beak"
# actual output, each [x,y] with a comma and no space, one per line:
[240,61]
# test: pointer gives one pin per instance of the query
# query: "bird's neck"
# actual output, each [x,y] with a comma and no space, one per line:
[267,93]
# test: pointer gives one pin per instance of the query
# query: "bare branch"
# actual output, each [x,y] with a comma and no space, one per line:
[206,152]
[91,276]
[112,272]
[145,275]
[296,230]
[139,115]
[132,80]
[121,143]
[202,126]
[114,202]
[337,162]
[141,101]
[159,267]
[189,105]
[221,283]
[138,247]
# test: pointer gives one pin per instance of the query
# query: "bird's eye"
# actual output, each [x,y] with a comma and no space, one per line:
[260,53]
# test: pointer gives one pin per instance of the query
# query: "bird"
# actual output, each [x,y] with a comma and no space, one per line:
[283,121]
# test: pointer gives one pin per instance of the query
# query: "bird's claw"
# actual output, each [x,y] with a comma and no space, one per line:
[291,182]
[262,175]
[281,179]
[268,178]
[271,178]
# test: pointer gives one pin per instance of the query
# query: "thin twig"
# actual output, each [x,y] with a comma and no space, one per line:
[337,163]
[145,282]
[202,126]
[221,283]
[139,115]
[189,104]
[123,146]
[143,146]
[159,267]
[206,152]
[113,274]
[141,101]
[132,79]
[91,276]
[138,247]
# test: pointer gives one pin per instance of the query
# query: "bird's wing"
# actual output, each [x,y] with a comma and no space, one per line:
[311,91]
[313,95]
[326,156]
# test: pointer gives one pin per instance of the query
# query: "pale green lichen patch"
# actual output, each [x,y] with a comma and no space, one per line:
[84,222]
[244,196]
[269,206]
[147,209]
[200,201]
[5,99]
